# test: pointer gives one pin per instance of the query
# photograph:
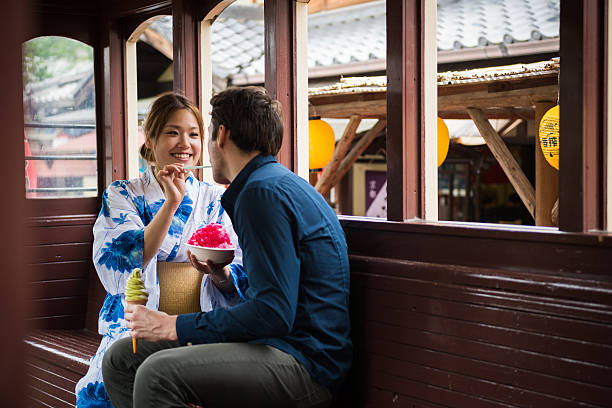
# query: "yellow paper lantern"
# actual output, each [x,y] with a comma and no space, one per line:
[443,141]
[321,143]
[549,136]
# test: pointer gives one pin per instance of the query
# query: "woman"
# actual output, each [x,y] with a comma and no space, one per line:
[148,220]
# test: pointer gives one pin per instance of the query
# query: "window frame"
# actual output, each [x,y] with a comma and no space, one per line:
[82,28]
[581,184]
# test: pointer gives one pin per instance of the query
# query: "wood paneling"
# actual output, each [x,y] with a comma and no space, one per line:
[59,269]
[76,21]
[73,251]
[52,235]
[431,328]
[536,250]
[50,211]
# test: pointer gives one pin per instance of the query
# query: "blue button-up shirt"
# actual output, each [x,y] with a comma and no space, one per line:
[295,256]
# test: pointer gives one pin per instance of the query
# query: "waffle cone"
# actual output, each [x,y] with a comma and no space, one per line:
[134,303]
[137,302]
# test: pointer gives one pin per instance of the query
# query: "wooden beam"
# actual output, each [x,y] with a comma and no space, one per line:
[546,176]
[159,42]
[505,159]
[325,183]
[508,127]
[280,71]
[115,95]
[13,388]
[404,109]
[301,90]
[581,116]
[365,109]
[484,99]
[186,49]
[592,113]
[554,214]
[357,150]
[515,103]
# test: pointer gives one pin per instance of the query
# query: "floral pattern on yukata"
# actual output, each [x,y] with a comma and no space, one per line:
[127,208]
[93,396]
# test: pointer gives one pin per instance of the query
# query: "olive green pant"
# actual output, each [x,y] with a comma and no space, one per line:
[165,374]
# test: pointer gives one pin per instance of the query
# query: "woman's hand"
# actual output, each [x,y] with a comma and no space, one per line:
[219,274]
[172,179]
[150,325]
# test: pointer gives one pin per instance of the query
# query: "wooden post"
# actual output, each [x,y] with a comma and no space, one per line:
[13,387]
[405,69]
[358,149]
[546,176]
[312,178]
[280,71]
[186,48]
[505,159]
[581,116]
[325,183]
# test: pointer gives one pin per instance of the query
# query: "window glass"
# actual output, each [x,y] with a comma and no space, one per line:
[500,58]
[233,54]
[347,77]
[237,45]
[59,118]
[154,75]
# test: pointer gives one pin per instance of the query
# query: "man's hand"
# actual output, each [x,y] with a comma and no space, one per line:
[150,325]
[219,274]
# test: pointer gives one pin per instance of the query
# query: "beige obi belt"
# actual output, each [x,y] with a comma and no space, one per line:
[179,287]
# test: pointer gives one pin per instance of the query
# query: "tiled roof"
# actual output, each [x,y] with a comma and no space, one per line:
[473,23]
[357,34]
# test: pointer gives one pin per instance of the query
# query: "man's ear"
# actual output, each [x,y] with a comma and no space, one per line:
[222,135]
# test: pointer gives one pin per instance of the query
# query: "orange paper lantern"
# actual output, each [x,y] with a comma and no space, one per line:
[443,141]
[321,143]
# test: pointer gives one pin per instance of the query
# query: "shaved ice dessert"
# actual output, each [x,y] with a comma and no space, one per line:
[136,294]
[212,235]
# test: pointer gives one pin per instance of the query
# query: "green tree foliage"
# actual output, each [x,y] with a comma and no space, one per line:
[44,57]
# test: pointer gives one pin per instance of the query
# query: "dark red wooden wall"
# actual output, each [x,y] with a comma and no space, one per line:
[59,249]
[447,317]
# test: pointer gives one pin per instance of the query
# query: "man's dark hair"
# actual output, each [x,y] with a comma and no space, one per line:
[252,117]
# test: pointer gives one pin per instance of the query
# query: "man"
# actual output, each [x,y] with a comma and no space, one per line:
[287,343]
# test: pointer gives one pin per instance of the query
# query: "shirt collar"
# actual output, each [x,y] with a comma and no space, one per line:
[233,191]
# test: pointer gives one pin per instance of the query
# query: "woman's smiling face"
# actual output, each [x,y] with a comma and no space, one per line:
[179,141]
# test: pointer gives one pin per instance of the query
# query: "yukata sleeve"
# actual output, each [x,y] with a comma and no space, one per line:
[239,277]
[118,237]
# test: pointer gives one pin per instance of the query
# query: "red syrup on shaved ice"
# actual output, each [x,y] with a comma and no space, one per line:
[211,236]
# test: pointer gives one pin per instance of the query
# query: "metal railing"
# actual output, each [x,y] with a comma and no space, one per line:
[61,157]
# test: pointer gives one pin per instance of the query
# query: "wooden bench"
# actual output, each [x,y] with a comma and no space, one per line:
[56,360]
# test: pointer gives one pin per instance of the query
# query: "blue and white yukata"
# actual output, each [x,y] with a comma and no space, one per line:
[127,207]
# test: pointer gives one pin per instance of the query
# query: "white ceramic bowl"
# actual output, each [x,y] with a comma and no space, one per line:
[216,255]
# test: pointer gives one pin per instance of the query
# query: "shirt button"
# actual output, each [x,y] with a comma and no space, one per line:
[189,343]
